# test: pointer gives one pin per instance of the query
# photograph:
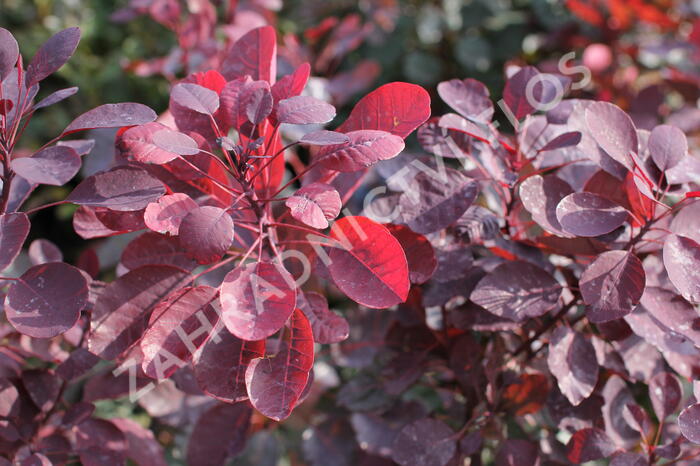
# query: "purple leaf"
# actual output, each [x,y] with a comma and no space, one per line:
[257,299]
[572,360]
[206,233]
[529,90]
[196,98]
[563,140]
[177,327]
[431,203]
[123,307]
[612,285]
[46,300]
[43,387]
[455,122]
[220,432]
[628,459]
[55,97]
[666,394]
[689,423]
[275,384]
[14,229]
[95,438]
[540,195]
[42,251]
[141,445]
[469,97]
[667,146]
[154,249]
[175,142]
[122,188]
[304,110]
[55,165]
[588,445]
[9,399]
[587,214]
[166,214]
[258,101]
[324,138]
[254,54]
[52,55]
[366,147]
[315,204]
[613,130]
[112,116]
[81,146]
[225,382]
[426,442]
[327,326]
[672,312]
[9,53]
[682,262]
[517,452]
[517,290]
[138,143]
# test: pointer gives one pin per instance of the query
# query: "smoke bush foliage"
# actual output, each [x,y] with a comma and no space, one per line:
[511,297]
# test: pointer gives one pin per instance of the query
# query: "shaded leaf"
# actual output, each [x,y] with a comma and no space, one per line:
[315,204]
[55,165]
[42,251]
[613,130]
[112,116]
[587,214]
[572,360]
[55,97]
[196,98]
[304,110]
[254,54]
[154,249]
[141,446]
[667,146]
[9,53]
[540,195]
[166,214]
[122,188]
[175,142]
[588,445]
[206,233]
[327,326]
[220,432]
[469,97]
[324,138]
[14,229]
[420,254]
[682,261]
[666,394]
[365,148]
[426,442]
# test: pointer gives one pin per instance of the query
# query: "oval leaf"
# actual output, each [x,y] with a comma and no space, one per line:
[613,130]
[420,254]
[122,188]
[682,262]
[667,146]
[275,384]
[666,394]
[9,53]
[365,148]
[315,204]
[257,299]
[55,166]
[14,229]
[612,285]
[46,300]
[689,423]
[469,97]
[587,214]
[572,360]
[370,267]
[540,195]
[166,214]
[206,233]
[426,442]
[304,110]
[196,98]
[52,55]
[517,290]
[175,142]
[327,326]
[112,116]
[324,138]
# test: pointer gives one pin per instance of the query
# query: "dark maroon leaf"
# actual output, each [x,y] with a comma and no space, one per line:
[196,98]
[46,300]
[9,52]
[14,229]
[420,255]
[628,459]
[77,413]
[315,204]
[682,261]
[258,101]
[517,290]
[112,116]
[469,97]
[588,445]
[613,130]
[52,55]
[452,121]
[689,423]
[257,299]
[122,309]
[42,251]
[78,363]
[529,90]
[206,233]
[427,442]
[667,146]
[327,326]
[43,387]
[177,327]
[324,138]
[9,399]
[81,146]
[540,195]
[666,394]
[365,148]
[122,188]
[587,214]
[166,214]
[54,165]
[275,384]
[617,396]
[432,203]
[97,437]
[155,249]
[517,452]
[220,432]
[55,97]
[141,446]
[612,285]
[572,360]
[304,110]
[221,363]
[563,140]
[370,267]
[333,438]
